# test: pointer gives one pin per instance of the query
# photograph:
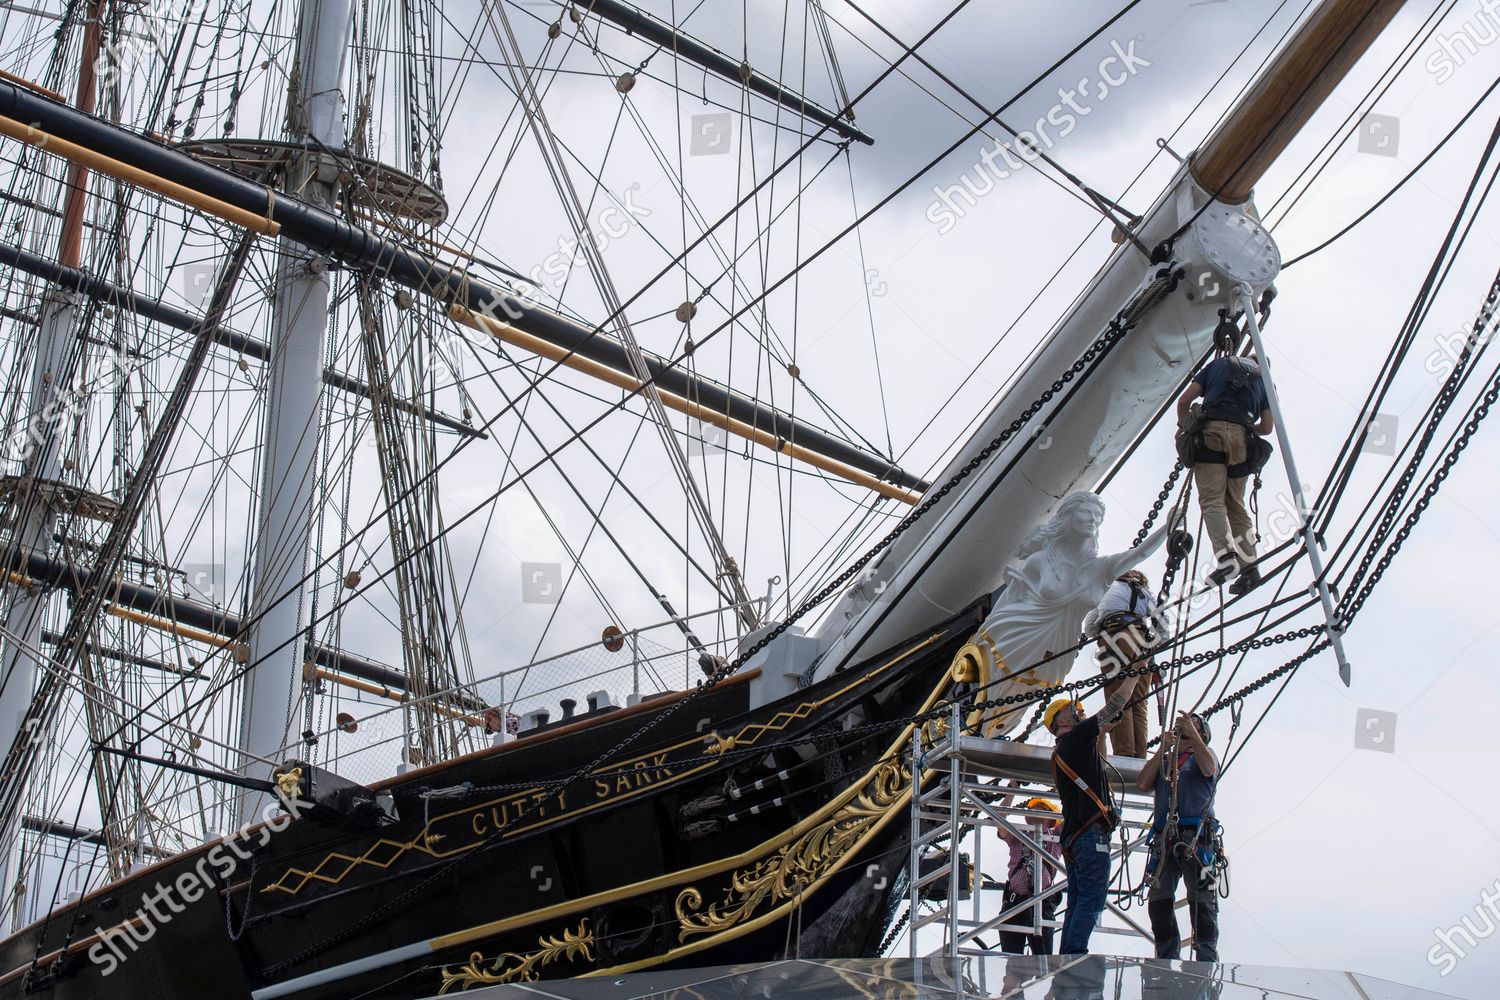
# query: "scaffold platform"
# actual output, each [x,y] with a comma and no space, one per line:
[973,798]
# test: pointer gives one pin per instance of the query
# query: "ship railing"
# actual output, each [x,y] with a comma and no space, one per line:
[380,741]
[374,740]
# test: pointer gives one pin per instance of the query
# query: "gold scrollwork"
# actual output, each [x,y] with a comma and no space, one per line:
[970,663]
[384,853]
[719,745]
[798,864]
[510,967]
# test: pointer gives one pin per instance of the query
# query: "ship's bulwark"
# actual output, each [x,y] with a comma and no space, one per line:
[638,866]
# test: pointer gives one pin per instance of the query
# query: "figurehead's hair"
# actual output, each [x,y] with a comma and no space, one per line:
[1057,525]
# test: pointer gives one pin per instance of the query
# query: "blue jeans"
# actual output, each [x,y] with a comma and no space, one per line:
[1088,879]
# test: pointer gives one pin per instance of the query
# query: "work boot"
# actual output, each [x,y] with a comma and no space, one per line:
[1247,581]
[1224,571]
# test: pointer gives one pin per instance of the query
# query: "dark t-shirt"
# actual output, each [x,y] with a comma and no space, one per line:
[1079,748]
[1219,401]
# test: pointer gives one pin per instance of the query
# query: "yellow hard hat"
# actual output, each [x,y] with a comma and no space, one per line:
[1041,803]
[1058,706]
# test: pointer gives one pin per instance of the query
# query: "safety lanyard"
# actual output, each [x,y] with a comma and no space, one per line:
[1058,762]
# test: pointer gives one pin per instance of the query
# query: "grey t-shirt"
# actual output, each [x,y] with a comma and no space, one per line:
[1195,792]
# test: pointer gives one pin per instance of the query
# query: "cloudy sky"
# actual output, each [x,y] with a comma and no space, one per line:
[1344,857]
[1347,852]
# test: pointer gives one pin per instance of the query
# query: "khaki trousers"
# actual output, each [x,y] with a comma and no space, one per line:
[1223,499]
[1128,646]
[1128,738]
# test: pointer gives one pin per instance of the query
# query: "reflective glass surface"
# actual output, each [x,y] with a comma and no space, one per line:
[1002,977]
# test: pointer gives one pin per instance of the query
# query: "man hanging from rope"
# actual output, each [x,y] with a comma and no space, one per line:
[1224,451]
[1185,840]
[1089,817]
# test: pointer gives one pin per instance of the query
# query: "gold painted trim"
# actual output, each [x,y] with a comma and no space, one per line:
[509,967]
[425,840]
[732,933]
[801,863]
[570,907]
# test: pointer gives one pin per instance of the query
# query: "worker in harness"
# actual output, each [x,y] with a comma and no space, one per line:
[1089,815]
[1126,627]
[1185,841]
[1023,881]
[1225,446]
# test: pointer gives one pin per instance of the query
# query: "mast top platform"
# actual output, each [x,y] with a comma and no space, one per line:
[375,185]
[59,496]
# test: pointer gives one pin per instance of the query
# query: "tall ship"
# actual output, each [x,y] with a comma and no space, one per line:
[438,556]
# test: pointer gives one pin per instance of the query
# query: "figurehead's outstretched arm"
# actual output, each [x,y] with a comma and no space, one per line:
[1122,561]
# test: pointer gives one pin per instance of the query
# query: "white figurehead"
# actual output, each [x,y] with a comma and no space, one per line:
[1061,577]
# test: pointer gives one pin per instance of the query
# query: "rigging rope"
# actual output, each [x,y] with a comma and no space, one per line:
[818,253]
[1101,346]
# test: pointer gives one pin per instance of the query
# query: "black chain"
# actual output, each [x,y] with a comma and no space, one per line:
[1156,508]
[1056,689]
[1420,507]
[1441,405]
[1035,720]
[1118,328]
[1244,645]
[890,938]
[1255,686]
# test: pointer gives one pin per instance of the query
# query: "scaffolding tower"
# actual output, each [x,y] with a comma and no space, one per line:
[959,792]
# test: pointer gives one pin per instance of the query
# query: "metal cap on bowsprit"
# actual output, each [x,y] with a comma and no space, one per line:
[1237,246]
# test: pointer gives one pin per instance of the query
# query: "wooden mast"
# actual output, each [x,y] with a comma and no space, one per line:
[1286,95]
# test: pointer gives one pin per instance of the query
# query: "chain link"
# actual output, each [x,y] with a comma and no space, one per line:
[1420,507]
[1118,328]
[1156,508]
[1449,391]
[1255,686]
[895,932]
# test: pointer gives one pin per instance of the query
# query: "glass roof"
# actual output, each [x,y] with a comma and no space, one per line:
[1001,977]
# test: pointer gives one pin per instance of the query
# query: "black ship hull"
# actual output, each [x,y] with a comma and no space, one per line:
[726,835]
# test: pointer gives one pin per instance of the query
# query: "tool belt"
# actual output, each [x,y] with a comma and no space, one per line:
[1192,450]
[1203,837]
